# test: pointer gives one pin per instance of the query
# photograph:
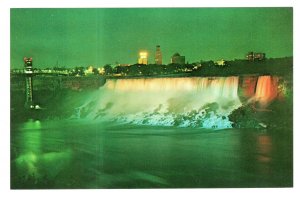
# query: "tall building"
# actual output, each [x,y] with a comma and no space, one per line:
[143,58]
[158,56]
[178,59]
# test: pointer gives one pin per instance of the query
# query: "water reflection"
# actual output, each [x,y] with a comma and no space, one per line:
[33,163]
[264,151]
[264,146]
[31,146]
[76,155]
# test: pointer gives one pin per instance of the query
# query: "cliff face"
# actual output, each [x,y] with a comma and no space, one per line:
[51,83]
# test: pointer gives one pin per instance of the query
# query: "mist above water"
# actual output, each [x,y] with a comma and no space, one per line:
[202,102]
[182,102]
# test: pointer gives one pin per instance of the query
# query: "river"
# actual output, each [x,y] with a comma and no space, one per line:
[68,154]
[154,133]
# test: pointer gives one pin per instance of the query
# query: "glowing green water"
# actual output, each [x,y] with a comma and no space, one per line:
[66,154]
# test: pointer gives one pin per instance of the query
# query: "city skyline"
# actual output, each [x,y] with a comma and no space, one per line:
[71,37]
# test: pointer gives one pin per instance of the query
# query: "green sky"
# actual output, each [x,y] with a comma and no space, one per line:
[83,37]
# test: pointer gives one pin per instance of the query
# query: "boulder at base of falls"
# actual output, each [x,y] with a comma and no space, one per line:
[278,114]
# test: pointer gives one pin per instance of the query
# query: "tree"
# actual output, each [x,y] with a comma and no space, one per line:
[78,71]
[95,71]
[108,69]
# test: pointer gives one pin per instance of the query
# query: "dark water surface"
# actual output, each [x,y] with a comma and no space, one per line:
[69,154]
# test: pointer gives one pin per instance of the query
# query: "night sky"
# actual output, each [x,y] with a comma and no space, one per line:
[84,37]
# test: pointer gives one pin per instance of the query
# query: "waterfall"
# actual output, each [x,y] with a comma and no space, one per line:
[266,89]
[183,102]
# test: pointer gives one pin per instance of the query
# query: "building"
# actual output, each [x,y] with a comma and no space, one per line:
[252,56]
[220,62]
[158,56]
[89,71]
[143,58]
[178,59]
[124,64]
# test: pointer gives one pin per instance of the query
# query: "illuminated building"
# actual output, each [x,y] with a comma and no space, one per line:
[220,62]
[143,59]
[178,59]
[101,71]
[28,88]
[158,56]
[89,71]
[123,64]
[251,56]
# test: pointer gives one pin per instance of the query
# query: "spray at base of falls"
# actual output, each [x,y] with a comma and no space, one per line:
[182,102]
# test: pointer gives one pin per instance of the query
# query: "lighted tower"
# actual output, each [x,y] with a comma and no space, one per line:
[158,56]
[143,59]
[28,75]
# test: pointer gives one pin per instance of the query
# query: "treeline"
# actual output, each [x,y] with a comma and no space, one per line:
[272,66]
[276,66]
[148,70]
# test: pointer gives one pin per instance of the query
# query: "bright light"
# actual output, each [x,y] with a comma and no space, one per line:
[143,59]
[101,70]
[143,54]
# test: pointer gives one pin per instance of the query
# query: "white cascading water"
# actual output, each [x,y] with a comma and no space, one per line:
[183,102]
[266,90]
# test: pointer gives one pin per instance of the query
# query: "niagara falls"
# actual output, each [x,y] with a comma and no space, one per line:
[151,98]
